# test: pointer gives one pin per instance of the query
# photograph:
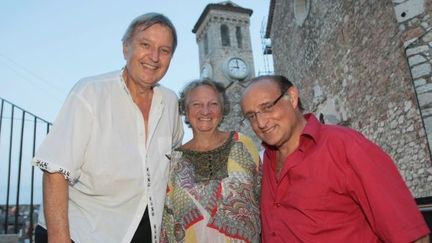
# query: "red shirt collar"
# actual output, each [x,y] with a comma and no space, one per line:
[311,131]
[312,128]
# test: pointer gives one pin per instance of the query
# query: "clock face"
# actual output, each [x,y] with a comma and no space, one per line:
[237,68]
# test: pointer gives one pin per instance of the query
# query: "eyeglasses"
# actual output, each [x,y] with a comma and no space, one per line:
[266,108]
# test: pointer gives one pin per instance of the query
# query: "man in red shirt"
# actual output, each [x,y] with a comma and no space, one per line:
[324,183]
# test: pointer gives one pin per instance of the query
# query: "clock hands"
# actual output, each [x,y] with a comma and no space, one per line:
[236,68]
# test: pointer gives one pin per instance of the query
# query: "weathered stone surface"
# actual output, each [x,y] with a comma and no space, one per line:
[232,121]
[409,9]
[414,60]
[417,50]
[426,88]
[421,70]
[419,82]
[427,37]
[425,100]
[412,34]
[354,51]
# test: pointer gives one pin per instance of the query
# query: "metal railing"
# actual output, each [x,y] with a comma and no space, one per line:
[20,133]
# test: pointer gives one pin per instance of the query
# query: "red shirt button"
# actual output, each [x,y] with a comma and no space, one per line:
[273,233]
[276,204]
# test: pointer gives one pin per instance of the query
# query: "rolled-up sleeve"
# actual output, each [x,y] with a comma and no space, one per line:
[64,148]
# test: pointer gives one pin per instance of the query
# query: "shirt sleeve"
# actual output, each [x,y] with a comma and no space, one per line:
[377,186]
[64,147]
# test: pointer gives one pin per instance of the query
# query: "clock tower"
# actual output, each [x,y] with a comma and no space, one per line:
[225,55]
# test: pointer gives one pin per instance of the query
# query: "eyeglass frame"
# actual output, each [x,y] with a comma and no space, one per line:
[266,108]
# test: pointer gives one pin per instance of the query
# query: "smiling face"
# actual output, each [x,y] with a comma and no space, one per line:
[282,125]
[203,109]
[148,54]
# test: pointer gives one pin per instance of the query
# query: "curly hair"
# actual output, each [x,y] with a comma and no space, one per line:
[220,90]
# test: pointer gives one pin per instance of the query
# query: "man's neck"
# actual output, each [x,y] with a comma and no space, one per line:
[294,141]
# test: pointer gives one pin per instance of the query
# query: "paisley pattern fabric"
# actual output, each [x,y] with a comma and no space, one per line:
[211,165]
[222,207]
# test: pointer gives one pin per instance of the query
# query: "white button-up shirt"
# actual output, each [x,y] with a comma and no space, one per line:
[98,142]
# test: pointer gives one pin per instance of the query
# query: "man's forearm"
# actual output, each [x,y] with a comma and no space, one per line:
[55,194]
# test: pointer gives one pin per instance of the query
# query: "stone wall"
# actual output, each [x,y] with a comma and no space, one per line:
[349,60]
[233,121]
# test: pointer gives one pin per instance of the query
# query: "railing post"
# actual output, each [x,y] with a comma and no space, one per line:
[19,173]
[1,115]
[13,155]
[9,170]
[1,120]
[30,231]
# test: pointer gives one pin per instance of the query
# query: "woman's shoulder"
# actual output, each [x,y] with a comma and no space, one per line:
[245,140]
[241,137]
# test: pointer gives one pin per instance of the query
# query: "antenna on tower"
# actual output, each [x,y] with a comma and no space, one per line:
[266,50]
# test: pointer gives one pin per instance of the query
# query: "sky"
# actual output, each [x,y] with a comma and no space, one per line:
[46,46]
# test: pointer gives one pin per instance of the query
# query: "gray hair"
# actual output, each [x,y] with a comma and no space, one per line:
[220,90]
[146,20]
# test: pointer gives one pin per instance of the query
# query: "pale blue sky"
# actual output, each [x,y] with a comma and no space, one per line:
[46,46]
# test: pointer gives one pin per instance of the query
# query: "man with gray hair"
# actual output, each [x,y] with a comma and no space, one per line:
[105,169]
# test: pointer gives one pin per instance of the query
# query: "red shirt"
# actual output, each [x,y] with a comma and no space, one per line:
[337,186]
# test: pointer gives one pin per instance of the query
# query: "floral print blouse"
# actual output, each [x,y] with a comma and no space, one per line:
[213,196]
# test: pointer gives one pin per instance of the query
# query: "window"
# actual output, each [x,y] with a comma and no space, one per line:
[239,37]
[225,35]
[301,10]
[205,44]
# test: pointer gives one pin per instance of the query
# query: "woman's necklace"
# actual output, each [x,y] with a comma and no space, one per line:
[200,146]
[210,164]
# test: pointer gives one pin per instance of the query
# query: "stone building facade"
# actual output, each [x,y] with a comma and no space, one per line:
[222,35]
[367,65]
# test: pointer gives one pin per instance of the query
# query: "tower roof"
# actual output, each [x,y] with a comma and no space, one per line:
[225,6]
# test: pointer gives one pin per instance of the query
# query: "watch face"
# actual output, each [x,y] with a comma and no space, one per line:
[237,68]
